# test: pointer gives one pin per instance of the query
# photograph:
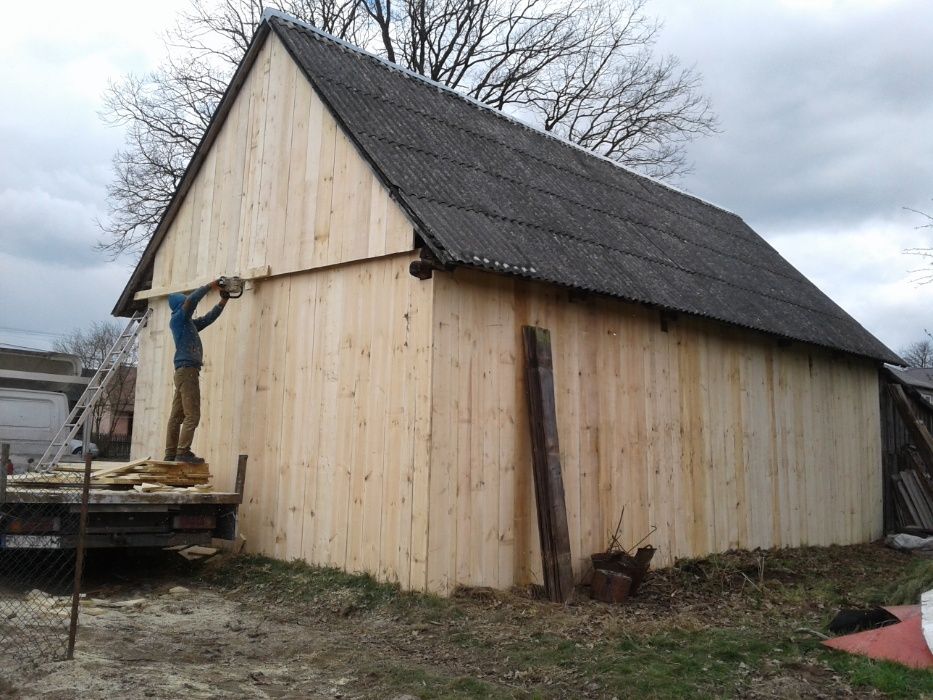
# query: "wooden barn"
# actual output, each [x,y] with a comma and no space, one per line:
[398,236]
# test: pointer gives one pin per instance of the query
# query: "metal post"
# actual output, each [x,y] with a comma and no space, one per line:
[4,458]
[86,437]
[79,551]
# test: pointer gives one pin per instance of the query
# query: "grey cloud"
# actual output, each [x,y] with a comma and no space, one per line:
[825,120]
[35,225]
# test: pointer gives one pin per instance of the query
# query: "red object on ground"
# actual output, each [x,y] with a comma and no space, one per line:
[902,642]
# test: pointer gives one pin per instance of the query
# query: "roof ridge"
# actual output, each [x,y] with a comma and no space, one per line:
[273,13]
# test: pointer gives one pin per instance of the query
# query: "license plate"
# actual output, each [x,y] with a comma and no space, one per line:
[32,542]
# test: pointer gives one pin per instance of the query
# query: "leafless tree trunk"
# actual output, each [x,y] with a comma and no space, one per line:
[919,354]
[582,69]
[923,275]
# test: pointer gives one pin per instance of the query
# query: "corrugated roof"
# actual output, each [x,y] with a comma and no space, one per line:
[489,192]
[920,377]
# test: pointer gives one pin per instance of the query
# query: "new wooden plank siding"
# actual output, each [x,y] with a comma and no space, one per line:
[321,372]
[281,186]
[323,378]
[385,417]
[720,437]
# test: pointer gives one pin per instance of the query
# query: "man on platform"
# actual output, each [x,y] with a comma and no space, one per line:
[189,357]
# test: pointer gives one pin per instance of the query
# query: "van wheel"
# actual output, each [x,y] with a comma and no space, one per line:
[78,450]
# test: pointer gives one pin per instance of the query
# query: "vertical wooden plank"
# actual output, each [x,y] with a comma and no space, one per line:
[327,160]
[567,390]
[301,181]
[295,418]
[463,459]
[267,241]
[212,249]
[379,204]
[202,239]
[332,300]
[421,320]
[348,363]
[590,331]
[397,431]
[511,437]
[354,203]
[378,406]
[251,205]
[233,183]
[441,570]
[549,488]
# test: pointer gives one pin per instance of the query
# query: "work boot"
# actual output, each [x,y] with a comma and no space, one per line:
[189,457]
[169,457]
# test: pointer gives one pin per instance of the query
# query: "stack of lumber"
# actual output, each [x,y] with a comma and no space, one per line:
[913,499]
[143,475]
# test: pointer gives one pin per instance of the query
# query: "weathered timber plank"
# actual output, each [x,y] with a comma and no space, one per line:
[549,484]
[919,433]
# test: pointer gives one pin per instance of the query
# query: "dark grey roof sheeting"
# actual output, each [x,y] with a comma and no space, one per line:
[488,192]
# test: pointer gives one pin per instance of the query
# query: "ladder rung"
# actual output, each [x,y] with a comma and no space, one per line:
[79,413]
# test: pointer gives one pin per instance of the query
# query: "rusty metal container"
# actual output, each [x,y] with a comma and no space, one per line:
[610,586]
[619,562]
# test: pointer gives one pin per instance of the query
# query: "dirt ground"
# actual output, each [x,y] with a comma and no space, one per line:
[738,625]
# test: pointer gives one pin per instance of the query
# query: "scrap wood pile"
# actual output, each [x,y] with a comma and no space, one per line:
[144,475]
[913,499]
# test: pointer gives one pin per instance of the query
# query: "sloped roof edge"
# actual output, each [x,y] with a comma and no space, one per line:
[125,302]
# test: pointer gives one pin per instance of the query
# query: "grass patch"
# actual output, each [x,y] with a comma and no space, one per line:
[300,582]
[680,663]
[428,685]
[714,627]
[907,589]
[893,680]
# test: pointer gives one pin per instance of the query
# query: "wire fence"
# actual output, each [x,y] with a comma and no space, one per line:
[42,523]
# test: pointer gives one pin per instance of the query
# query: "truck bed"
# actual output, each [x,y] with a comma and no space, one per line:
[48,516]
[15,494]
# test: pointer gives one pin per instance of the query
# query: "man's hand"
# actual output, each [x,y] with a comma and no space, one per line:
[224,295]
[215,285]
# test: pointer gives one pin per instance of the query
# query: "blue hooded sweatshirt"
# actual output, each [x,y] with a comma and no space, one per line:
[188,350]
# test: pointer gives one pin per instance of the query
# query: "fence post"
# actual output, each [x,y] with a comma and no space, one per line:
[4,458]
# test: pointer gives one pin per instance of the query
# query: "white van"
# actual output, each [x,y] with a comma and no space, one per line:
[29,421]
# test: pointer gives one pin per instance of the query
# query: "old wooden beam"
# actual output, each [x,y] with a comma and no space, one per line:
[919,433]
[545,452]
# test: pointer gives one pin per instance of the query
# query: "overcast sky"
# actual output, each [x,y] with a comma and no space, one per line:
[826,111]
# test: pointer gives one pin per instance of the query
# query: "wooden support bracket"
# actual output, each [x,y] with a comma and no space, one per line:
[545,450]
[251,275]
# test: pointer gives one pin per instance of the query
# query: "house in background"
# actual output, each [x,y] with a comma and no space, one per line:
[398,236]
[64,373]
[919,378]
[40,370]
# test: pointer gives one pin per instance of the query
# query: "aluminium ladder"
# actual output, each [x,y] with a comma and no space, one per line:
[95,387]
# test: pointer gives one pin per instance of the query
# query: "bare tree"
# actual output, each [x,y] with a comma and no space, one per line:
[92,345]
[923,275]
[919,353]
[582,69]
